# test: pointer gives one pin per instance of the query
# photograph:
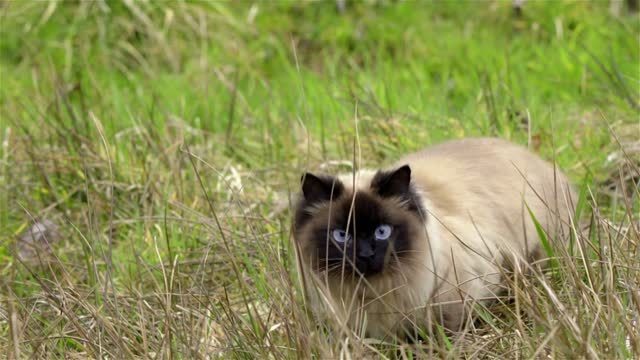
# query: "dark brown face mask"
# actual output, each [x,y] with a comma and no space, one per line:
[358,233]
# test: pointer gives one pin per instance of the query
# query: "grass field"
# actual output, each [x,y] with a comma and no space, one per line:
[166,141]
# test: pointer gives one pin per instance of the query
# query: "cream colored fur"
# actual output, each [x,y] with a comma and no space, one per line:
[476,193]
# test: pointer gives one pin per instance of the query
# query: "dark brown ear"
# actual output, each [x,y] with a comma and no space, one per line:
[392,183]
[320,188]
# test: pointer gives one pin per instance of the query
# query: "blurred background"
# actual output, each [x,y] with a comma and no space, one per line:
[157,146]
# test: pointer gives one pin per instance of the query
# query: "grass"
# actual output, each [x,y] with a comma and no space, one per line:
[166,140]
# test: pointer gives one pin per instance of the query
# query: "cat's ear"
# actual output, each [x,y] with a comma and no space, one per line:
[320,188]
[392,183]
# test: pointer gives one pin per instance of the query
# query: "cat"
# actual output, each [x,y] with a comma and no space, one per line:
[390,251]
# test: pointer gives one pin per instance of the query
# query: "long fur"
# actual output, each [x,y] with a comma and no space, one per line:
[476,195]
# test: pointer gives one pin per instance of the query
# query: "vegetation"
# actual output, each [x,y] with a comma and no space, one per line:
[166,141]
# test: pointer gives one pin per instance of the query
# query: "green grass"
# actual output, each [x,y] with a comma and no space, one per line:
[166,139]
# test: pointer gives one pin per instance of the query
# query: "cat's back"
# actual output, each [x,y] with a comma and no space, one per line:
[475,155]
[492,181]
[482,166]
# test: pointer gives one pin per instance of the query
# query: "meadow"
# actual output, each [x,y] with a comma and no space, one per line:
[162,144]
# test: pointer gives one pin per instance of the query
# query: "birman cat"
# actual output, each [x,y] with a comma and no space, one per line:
[423,241]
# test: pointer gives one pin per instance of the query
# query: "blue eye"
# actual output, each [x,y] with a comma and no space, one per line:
[340,235]
[383,232]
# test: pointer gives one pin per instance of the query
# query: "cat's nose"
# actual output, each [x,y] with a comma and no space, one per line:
[365,251]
